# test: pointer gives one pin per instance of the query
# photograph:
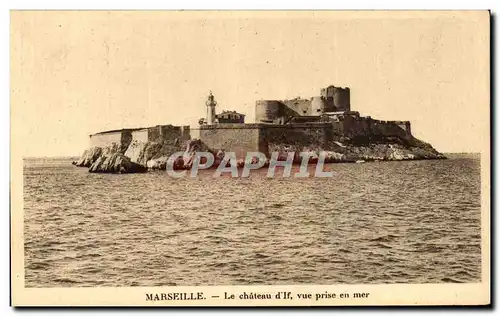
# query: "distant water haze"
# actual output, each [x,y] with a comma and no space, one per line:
[385,222]
[78,73]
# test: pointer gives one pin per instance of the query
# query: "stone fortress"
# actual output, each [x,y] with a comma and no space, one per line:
[334,105]
[324,123]
[298,124]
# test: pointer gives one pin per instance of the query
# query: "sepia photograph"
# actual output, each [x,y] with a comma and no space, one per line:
[246,158]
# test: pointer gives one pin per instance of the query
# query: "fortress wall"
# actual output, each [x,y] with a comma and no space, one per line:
[300,106]
[390,128]
[357,127]
[107,139]
[140,135]
[195,132]
[367,127]
[342,99]
[296,137]
[329,106]
[237,138]
[318,106]
[161,132]
[266,138]
[185,132]
[168,133]
[125,137]
[402,126]
[406,125]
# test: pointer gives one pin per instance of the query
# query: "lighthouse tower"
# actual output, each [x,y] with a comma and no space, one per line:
[211,103]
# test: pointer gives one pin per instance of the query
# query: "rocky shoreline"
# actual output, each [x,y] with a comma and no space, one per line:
[139,157]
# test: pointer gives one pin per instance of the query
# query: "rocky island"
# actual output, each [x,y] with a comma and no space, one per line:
[321,124]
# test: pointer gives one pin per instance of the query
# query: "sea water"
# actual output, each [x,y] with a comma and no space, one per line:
[379,222]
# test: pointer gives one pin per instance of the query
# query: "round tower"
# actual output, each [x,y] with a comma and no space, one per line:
[342,99]
[211,103]
[266,111]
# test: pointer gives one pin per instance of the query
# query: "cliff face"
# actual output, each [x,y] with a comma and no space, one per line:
[91,155]
[116,163]
[345,149]
[140,156]
[142,152]
[345,152]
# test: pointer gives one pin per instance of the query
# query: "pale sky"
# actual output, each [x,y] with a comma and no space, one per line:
[78,73]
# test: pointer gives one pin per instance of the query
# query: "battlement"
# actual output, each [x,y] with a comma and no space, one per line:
[332,99]
[263,126]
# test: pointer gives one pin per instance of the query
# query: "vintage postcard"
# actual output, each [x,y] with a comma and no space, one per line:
[250,158]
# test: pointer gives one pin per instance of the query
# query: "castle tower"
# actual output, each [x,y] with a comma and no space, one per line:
[336,98]
[211,103]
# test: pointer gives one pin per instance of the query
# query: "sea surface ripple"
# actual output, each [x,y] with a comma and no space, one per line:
[387,222]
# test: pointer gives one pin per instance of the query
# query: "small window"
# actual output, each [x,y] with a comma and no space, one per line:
[305,112]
